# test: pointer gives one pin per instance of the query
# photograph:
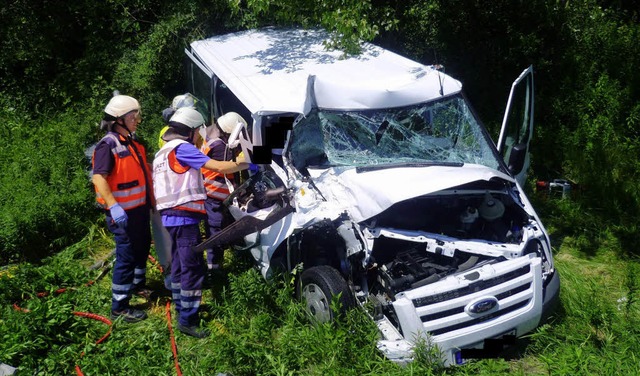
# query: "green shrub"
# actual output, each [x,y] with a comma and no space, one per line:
[47,196]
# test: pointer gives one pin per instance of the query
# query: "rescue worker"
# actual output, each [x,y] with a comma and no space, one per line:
[123,186]
[180,198]
[215,183]
[179,101]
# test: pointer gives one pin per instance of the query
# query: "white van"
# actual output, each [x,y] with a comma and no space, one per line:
[380,182]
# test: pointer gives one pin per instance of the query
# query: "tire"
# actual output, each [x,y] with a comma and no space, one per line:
[318,285]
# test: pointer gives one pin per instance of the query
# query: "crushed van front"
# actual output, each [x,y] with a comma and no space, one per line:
[434,276]
[452,252]
[442,314]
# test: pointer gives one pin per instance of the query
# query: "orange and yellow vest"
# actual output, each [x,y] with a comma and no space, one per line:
[127,179]
[214,182]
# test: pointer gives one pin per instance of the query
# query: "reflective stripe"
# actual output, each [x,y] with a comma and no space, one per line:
[190,304]
[175,286]
[175,196]
[190,293]
[175,296]
[119,297]
[126,287]
[216,189]
[217,195]
[125,193]
[215,183]
[131,191]
[132,204]
[196,206]
[137,280]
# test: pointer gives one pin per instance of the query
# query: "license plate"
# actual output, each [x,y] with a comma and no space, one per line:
[490,348]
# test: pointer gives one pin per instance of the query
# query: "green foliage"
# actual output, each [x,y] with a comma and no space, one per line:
[55,81]
[46,194]
[596,329]
[595,115]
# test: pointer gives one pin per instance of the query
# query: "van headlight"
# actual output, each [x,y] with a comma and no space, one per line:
[537,247]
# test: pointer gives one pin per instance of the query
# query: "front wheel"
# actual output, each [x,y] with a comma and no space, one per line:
[318,285]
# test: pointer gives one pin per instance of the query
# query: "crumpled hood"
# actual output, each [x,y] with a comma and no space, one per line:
[366,194]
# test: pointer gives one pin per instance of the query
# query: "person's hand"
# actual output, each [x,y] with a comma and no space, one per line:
[119,215]
[253,168]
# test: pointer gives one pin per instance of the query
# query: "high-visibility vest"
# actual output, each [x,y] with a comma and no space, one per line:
[161,142]
[175,186]
[126,180]
[214,182]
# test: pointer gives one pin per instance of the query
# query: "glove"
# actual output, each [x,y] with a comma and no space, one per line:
[119,215]
[253,168]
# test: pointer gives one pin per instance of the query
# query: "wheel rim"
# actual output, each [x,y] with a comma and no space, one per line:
[317,303]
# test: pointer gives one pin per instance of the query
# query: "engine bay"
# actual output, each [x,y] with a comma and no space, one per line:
[402,264]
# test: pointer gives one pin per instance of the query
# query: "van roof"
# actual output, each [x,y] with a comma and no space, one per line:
[289,70]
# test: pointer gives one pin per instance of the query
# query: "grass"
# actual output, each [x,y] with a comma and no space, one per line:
[258,329]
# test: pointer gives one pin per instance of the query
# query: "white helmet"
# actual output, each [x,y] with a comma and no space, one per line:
[189,117]
[228,121]
[120,105]
[184,100]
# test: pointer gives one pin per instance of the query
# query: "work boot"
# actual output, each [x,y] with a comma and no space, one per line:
[193,331]
[129,315]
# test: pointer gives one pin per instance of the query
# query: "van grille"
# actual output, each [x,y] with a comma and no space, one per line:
[471,289]
[444,312]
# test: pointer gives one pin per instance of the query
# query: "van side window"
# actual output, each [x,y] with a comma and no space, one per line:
[225,101]
[200,87]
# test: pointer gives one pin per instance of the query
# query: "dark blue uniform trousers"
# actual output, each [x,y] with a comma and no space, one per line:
[132,251]
[214,225]
[187,273]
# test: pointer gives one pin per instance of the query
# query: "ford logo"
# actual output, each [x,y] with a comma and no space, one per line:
[482,305]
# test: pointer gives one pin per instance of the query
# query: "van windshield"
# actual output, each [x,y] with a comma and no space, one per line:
[441,132]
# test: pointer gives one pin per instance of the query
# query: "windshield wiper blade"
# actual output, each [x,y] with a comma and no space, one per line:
[385,166]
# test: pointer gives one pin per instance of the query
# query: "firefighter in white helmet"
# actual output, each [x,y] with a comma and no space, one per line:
[124,190]
[180,199]
[216,147]
[179,101]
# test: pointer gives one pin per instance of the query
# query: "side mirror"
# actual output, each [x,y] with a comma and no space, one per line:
[516,158]
[233,137]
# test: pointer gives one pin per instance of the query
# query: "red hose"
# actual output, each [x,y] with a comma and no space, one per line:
[98,318]
[174,347]
[102,339]
[157,264]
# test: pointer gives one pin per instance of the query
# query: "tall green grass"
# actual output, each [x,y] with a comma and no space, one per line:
[259,329]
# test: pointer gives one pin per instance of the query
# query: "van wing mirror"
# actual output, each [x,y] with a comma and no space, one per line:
[517,157]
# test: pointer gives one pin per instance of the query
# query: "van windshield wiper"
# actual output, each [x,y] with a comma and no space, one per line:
[385,166]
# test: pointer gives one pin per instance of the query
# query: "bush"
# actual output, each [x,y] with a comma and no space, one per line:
[47,196]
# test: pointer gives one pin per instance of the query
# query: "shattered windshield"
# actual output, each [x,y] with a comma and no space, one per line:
[439,132]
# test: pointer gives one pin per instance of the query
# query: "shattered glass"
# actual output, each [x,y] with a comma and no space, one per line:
[440,132]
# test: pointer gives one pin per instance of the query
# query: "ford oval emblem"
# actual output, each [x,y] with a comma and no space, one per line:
[482,305]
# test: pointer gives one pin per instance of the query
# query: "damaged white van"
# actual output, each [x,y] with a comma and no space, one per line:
[379,180]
